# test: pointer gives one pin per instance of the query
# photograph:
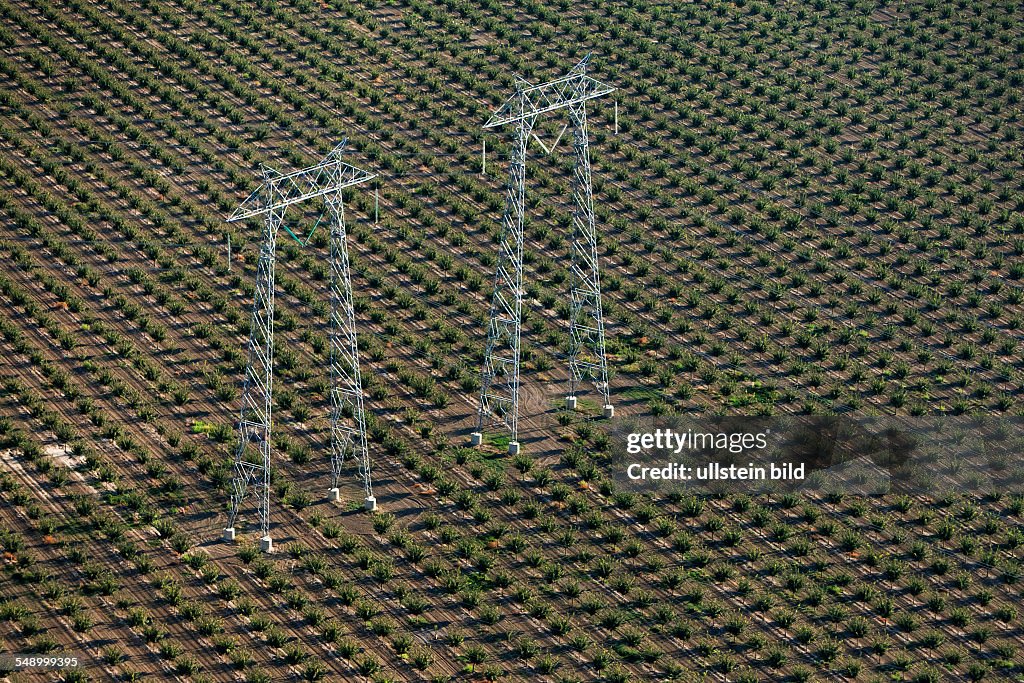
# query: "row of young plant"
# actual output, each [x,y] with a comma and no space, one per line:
[171,588]
[892,565]
[151,287]
[80,539]
[929,333]
[31,631]
[286,285]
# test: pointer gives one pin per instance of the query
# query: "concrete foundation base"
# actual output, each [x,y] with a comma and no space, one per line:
[334,495]
[513,448]
[229,534]
[570,403]
[609,411]
[370,504]
[476,438]
[267,544]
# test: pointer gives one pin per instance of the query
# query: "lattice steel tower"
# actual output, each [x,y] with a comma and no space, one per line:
[326,179]
[499,391]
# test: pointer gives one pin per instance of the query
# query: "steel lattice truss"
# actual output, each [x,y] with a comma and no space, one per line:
[252,456]
[530,101]
[586,322]
[291,188]
[499,392]
[346,383]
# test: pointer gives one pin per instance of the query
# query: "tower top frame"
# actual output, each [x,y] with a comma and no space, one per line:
[280,190]
[530,101]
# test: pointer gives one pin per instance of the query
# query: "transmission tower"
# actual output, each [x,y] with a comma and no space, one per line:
[326,179]
[499,391]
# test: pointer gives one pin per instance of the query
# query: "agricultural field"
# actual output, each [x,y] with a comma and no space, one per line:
[808,208]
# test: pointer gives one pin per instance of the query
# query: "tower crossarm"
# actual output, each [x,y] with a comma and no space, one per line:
[572,89]
[327,177]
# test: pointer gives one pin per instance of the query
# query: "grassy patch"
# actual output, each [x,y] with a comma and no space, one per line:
[641,393]
[499,441]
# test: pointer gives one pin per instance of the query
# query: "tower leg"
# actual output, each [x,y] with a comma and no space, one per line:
[346,382]
[587,358]
[499,387]
[254,423]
